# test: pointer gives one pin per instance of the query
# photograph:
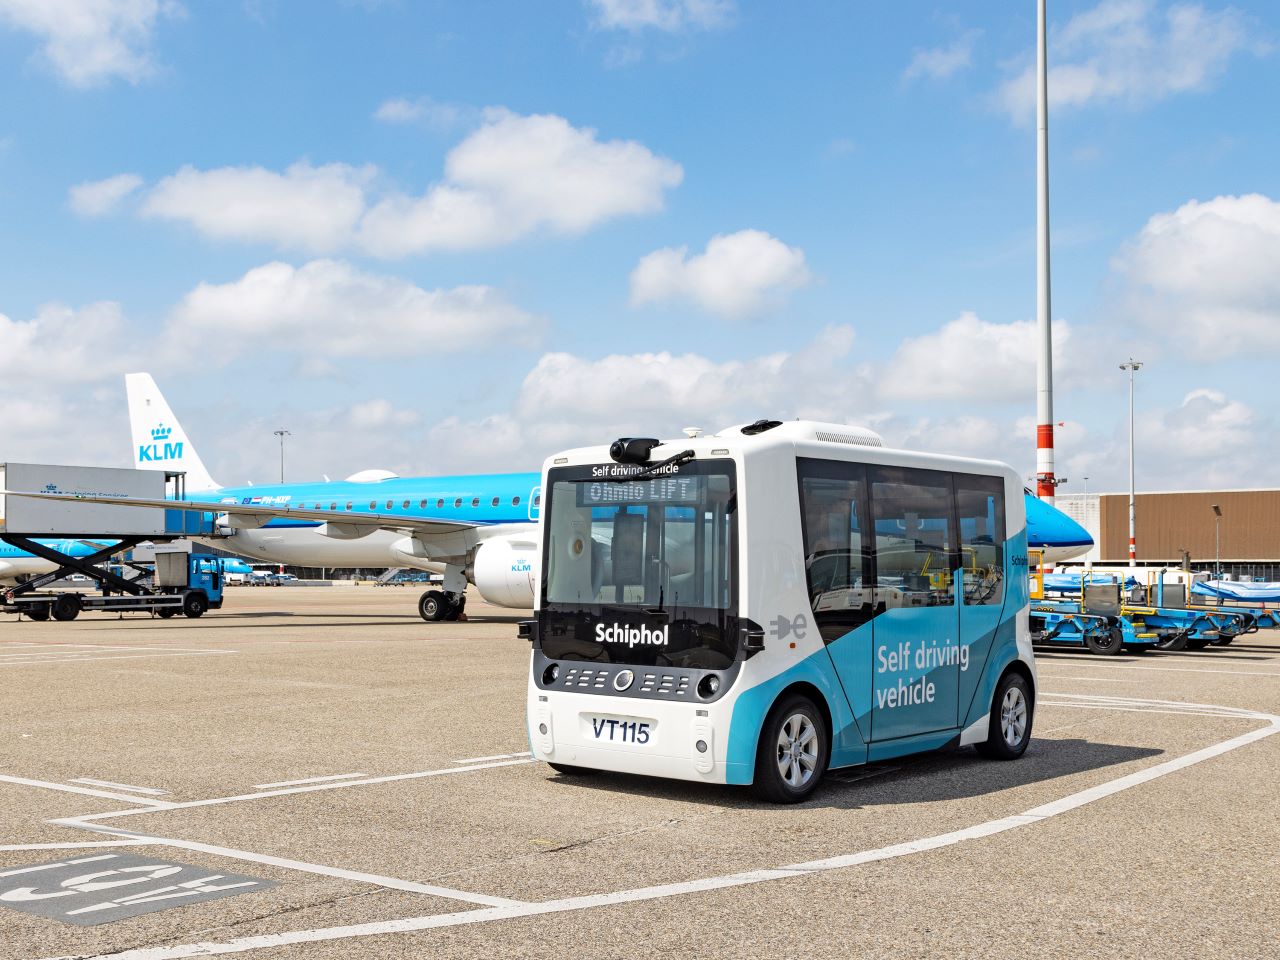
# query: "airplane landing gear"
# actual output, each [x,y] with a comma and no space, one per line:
[436,605]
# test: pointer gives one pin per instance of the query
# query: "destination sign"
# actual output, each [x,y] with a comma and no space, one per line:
[677,490]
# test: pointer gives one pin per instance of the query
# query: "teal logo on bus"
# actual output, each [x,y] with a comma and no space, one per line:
[160,449]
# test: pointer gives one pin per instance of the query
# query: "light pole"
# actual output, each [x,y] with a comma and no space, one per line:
[1217,541]
[282,434]
[1086,486]
[1132,366]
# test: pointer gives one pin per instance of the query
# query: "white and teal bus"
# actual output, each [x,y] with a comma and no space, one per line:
[779,599]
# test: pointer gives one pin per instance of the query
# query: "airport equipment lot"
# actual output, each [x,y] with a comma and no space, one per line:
[368,771]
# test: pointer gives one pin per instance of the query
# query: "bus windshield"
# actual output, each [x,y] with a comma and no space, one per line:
[659,550]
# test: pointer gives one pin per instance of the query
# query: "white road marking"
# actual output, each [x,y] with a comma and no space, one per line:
[391,883]
[496,756]
[1033,816]
[66,788]
[71,846]
[1063,676]
[306,789]
[295,783]
[153,791]
[51,866]
[69,658]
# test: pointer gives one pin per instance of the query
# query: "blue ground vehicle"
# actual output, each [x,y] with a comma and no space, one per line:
[184,583]
[760,605]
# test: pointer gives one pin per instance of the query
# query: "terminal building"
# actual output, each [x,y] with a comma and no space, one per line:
[1238,529]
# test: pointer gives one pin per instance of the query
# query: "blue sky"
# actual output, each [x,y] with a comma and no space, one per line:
[441,237]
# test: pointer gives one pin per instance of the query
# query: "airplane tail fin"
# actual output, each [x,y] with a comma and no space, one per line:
[159,442]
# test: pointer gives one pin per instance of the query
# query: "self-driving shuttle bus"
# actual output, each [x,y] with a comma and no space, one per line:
[779,599]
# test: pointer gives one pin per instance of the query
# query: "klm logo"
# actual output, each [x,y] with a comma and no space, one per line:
[160,448]
[521,566]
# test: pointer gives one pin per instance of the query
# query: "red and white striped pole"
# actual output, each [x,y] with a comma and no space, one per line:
[1045,480]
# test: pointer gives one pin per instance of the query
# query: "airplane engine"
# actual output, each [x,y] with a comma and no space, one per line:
[505,571]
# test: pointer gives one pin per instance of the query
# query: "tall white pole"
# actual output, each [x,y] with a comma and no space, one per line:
[1045,481]
[1132,366]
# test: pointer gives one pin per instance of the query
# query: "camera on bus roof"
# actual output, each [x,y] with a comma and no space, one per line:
[632,449]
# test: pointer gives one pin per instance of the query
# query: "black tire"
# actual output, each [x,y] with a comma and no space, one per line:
[39,612]
[166,612]
[66,607]
[570,771]
[795,747]
[1175,642]
[1007,737]
[194,605]
[1223,641]
[457,609]
[433,606]
[1109,646]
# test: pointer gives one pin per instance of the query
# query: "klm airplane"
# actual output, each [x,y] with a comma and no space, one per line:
[17,564]
[479,528]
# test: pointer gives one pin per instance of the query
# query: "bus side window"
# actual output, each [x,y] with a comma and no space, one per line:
[980,508]
[914,537]
[833,515]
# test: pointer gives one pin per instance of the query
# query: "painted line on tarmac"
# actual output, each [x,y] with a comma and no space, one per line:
[310,788]
[1063,676]
[13,847]
[391,883]
[152,791]
[1236,673]
[298,783]
[496,756]
[86,791]
[1030,817]
[69,658]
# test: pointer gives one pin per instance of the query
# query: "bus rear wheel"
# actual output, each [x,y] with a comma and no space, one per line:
[793,752]
[1009,729]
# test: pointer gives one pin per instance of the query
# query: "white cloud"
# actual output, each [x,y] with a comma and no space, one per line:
[568,400]
[88,42]
[943,62]
[314,208]
[1132,52]
[669,16]
[62,344]
[517,174]
[511,177]
[972,359]
[97,198]
[331,307]
[1207,272]
[441,117]
[739,274]
[1208,425]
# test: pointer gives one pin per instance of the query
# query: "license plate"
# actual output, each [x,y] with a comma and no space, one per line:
[620,730]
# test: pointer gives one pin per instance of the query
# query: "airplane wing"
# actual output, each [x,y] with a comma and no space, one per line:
[256,515]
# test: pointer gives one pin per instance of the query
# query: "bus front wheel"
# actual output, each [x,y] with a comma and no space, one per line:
[793,752]
[1009,730]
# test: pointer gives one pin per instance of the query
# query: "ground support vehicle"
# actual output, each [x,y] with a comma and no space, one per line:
[1062,622]
[766,603]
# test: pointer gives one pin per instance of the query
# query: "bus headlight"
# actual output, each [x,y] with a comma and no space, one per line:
[550,674]
[708,686]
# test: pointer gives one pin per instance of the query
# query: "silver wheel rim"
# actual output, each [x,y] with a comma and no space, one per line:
[797,752]
[1013,716]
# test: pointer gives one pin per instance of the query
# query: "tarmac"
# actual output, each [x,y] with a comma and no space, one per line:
[365,776]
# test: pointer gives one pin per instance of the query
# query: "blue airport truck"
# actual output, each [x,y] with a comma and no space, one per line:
[184,583]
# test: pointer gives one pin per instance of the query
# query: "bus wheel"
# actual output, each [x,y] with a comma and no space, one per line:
[1009,730]
[38,612]
[432,606]
[793,752]
[568,771]
[66,607]
[194,605]
[1107,646]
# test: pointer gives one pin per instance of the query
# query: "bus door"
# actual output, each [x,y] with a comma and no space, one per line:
[980,515]
[833,511]
[917,624]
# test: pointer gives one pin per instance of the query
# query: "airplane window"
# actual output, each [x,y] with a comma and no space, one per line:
[537,501]
[348,504]
[440,504]
[515,501]
[391,504]
[422,504]
[457,502]
[333,506]
[405,505]
[373,504]
[496,501]
[475,501]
